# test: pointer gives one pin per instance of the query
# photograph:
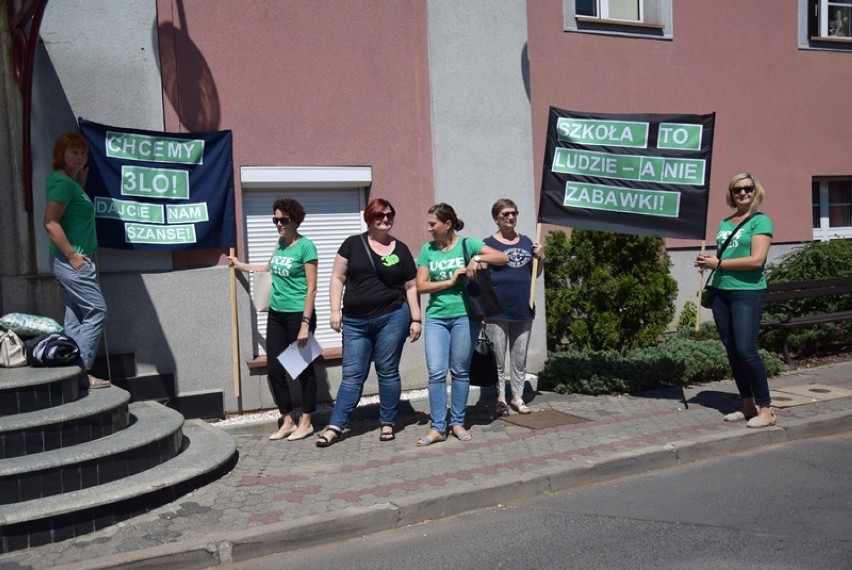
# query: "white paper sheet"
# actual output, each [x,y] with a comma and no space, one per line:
[295,359]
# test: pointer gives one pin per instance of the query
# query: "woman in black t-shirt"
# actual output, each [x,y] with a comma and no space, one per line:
[380,310]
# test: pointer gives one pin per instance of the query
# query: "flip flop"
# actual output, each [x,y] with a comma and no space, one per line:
[94,383]
[426,440]
[462,435]
[520,407]
[502,409]
[387,436]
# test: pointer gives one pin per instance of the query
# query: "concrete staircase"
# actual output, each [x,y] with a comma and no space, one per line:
[73,462]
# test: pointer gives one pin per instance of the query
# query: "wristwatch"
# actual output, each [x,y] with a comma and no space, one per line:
[477,259]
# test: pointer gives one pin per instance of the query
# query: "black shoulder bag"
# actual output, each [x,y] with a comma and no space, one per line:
[482,298]
[483,363]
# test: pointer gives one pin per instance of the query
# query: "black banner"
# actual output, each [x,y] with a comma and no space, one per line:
[646,174]
[161,191]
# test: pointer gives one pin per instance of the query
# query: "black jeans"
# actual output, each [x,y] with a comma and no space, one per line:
[281,331]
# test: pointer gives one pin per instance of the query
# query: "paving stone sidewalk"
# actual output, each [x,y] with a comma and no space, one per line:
[284,495]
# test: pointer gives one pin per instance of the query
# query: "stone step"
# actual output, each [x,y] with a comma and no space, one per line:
[153,437]
[207,453]
[96,414]
[200,404]
[206,404]
[27,389]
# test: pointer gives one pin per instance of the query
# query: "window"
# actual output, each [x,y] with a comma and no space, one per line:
[834,18]
[611,9]
[638,18]
[828,23]
[832,208]
[334,201]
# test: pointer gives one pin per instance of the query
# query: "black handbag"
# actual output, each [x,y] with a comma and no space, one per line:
[483,364]
[482,299]
[54,349]
[708,290]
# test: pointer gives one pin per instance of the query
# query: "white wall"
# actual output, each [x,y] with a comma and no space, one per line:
[102,64]
[482,131]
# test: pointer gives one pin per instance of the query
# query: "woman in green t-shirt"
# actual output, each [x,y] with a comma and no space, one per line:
[449,333]
[291,314]
[69,220]
[740,289]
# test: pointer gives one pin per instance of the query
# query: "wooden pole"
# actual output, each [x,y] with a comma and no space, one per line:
[534,266]
[104,333]
[700,288]
[235,340]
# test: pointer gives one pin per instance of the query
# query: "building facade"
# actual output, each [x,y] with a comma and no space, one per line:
[416,101]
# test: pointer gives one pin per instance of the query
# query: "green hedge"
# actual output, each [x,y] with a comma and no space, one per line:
[677,361]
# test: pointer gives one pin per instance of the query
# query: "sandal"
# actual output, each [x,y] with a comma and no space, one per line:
[520,407]
[426,440]
[325,441]
[387,435]
[759,422]
[461,434]
[502,409]
[89,382]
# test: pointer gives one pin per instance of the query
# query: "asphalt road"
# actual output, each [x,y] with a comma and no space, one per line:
[780,507]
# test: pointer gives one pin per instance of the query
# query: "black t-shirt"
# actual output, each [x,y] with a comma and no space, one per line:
[366,293]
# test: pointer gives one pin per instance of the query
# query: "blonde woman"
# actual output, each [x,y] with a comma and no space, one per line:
[740,289]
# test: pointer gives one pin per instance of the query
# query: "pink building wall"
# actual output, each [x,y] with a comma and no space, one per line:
[339,84]
[781,112]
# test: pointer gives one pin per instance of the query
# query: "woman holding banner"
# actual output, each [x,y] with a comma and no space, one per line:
[511,328]
[291,314]
[69,220]
[739,290]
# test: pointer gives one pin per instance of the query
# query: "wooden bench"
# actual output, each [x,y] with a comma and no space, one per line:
[779,294]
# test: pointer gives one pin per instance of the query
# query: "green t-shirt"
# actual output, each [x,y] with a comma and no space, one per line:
[449,303]
[78,220]
[289,284]
[740,246]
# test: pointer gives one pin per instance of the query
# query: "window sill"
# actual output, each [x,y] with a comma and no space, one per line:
[831,40]
[622,23]
[327,354]
[625,28]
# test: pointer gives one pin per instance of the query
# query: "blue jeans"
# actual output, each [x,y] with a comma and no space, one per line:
[380,340]
[449,345]
[737,315]
[85,308]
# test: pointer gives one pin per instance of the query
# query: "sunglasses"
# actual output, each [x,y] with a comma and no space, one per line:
[283,220]
[507,214]
[385,216]
[741,189]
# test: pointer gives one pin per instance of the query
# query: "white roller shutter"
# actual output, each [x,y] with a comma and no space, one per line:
[332,215]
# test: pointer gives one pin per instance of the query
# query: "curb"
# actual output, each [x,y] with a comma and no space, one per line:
[352,522]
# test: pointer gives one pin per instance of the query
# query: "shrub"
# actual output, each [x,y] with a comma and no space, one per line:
[607,290]
[815,260]
[677,361]
[688,316]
